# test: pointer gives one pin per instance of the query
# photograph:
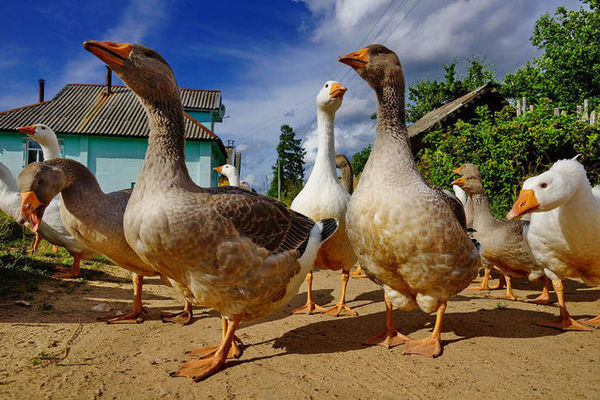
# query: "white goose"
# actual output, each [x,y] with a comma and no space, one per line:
[564,230]
[323,196]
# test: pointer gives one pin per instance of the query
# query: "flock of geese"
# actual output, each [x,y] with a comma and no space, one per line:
[245,255]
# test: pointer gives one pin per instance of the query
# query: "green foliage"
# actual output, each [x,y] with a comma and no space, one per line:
[291,156]
[509,149]
[359,159]
[428,95]
[568,70]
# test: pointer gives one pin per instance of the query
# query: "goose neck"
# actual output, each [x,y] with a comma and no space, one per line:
[325,160]
[481,207]
[50,149]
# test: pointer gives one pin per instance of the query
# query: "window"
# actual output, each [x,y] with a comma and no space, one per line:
[33,151]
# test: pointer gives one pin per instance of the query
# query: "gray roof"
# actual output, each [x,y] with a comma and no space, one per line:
[487,94]
[86,109]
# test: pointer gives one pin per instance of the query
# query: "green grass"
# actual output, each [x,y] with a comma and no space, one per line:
[21,273]
[41,357]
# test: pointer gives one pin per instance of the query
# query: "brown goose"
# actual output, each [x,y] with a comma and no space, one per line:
[409,236]
[241,253]
[92,217]
[503,242]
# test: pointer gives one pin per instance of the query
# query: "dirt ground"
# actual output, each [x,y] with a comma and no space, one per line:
[57,349]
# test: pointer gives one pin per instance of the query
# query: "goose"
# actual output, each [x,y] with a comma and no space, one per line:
[323,196]
[563,232]
[94,217]
[503,242]
[409,237]
[347,181]
[230,172]
[241,253]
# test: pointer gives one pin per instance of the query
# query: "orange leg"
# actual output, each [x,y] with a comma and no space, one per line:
[136,316]
[54,249]
[544,297]
[72,272]
[432,345]
[509,291]
[182,318]
[341,308]
[500,284]
[358,272]
[565,323]
[595,322]
[200,369]
[484,281]
[36,242]
[310,307]
[390,337]
[234,352]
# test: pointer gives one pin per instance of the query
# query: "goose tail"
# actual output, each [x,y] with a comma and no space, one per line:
[321,231]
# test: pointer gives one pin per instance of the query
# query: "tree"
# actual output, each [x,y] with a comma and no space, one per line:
[568,70]
[291,159]
[359,159]
[428,95]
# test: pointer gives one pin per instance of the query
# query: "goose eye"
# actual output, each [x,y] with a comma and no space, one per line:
[149,54]
[327,85]
[43,127]
[544,185]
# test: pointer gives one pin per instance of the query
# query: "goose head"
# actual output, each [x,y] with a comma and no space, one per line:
[467,170]
[330,96]
[471,184]
[141,68]
[375,64]
[228,170]
[40,133]
[38,184]
[550,189]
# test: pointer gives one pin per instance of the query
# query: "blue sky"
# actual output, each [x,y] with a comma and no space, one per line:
[268,57]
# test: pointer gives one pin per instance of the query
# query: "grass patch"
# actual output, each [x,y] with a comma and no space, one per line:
[41,357]
[500,305]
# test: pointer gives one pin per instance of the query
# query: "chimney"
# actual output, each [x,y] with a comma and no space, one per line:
[108,80]
[40,90]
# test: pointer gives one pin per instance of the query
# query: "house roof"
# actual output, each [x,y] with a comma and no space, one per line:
[86,109]
[487,94]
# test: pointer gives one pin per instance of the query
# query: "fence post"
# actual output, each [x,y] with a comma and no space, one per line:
[593,117]
[518,108]
[524,104]
[586,109]
[556,112]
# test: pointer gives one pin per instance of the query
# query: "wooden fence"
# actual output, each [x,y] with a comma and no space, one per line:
[583,111]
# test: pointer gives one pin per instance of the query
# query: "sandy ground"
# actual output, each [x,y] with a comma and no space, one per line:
[492,348]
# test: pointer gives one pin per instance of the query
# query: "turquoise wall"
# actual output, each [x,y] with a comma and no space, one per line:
[205,118]
[115,161]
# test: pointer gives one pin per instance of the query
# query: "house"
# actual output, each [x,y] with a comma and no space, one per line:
[461,108]
[105,128]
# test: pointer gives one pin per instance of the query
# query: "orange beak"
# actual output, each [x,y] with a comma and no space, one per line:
[525,204]
[460,181]
[337,90]
[32,210]
[218,169]
[356,59]
[457,170]
[113,54]
[28,130]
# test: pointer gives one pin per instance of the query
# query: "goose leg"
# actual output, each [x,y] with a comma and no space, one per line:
[501,282]
[544,297]
[310,307]
[341,308]
[390,337]
[565,323]
[72,272]
[182,318]
[358,272]
[136,316]
[200,369]
[36,242]
[595,322]
[234,352]
[484,281]
[432,345]
[509,291]
[54,248]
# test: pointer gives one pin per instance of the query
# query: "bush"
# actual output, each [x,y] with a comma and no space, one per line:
[509,149]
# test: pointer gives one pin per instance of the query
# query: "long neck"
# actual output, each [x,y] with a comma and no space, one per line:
[481,208]
[81,186]
[165,157]
[50,148]
[234,179]
[325,161]
[347,178]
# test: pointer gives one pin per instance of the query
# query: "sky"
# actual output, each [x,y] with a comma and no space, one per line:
[269,58]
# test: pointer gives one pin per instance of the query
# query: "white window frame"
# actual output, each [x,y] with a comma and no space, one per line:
[32,145]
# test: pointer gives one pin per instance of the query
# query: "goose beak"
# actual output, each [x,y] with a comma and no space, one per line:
[337,91]
[113,54]
[460,181]
[32,210]
[356,59]
[219,169]
[28,130]
[526,203]
[457,170]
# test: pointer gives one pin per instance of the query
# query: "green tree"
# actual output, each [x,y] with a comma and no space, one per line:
[509,149]
[568,70]
[359,159]
[291,157]
[427,95]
